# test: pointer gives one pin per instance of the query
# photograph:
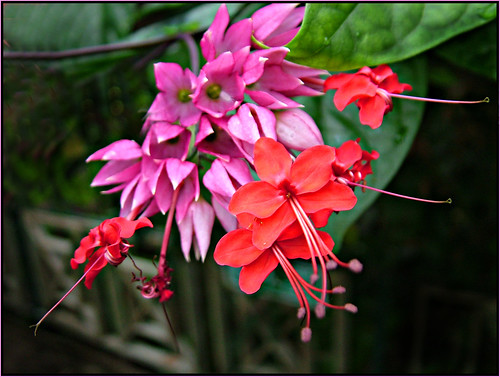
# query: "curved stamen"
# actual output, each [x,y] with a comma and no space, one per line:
[347,182]
[485,100]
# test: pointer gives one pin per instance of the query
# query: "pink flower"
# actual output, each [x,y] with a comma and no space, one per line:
[276,24]
[371,90]
[165,140]
[220,88]
[248,125]
[213,137]
[110,239]
[173,103]
[222,180]
[217,40]
[125,169]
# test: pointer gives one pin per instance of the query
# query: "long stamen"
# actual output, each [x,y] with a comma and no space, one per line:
[485,100]
[347,182]
[66,294]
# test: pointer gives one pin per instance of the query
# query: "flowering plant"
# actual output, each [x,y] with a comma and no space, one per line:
[273,178]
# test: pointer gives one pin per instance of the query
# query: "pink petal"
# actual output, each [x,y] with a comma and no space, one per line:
[119,150]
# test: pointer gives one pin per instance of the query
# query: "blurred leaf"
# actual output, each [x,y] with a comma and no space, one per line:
[476,50]
[60,26]
[343,36]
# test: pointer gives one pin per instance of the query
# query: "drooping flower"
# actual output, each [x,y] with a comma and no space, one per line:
[110,239]
[198,222]
[276,24]
[353,163]
[289,190]
[173,103]
[236,249]
[371,89]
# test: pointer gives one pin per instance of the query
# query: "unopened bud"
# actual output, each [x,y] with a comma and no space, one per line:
[306,334]
[355,266]
[351,308]
[296,129]
[319,310]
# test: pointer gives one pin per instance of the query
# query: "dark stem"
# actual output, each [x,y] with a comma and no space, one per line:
[83,51]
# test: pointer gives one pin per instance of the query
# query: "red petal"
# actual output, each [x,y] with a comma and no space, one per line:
[312,169]
[267,230]
[298,248]
[253,275]
[235,249]
[382,72]
[91,275]
[272,161]
[334,196]
[257,198]
[320,218]
[372,110]
[336,81]
[128,227]
[348,154]
[392,85]
[359,87]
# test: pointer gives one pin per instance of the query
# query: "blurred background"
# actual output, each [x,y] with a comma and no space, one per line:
[428,295]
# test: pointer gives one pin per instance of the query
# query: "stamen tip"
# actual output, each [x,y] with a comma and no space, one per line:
[331,265]
[306,334]
[355,266]
[338,289]
[319,310]
[314,278]
[301,312]
[448,201]
[351,308]
[486,100]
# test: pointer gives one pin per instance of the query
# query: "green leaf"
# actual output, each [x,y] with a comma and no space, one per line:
[343,36]
[476,50]
[392,139]
[59,26]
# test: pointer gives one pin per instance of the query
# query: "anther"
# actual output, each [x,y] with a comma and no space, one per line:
[355,266]
[351,308]
[306,334]
[319,310]
[314,278]
[338,289]
[301,312]
[331,265]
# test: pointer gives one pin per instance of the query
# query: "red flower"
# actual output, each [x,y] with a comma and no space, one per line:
[110,237]
[371,88]
[236,249]
[288,191]
[353,163]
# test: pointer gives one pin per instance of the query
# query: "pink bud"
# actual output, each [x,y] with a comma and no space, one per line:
[297,130]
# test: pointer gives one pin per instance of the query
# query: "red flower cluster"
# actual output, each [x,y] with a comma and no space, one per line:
[279,216]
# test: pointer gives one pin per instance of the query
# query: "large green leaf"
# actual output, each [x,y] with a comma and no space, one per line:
[343,36]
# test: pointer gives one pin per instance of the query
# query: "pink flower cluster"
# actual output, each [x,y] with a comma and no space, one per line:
[210,108]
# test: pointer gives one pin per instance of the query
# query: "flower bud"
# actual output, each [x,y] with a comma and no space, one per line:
[297,130]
